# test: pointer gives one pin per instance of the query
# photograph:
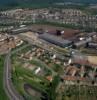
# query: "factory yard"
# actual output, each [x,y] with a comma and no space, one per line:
[30,35]
[93,59]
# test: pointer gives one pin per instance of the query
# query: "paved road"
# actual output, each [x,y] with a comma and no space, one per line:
[45,45]
[8,85]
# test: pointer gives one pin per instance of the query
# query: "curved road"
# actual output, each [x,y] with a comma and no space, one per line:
[8,85]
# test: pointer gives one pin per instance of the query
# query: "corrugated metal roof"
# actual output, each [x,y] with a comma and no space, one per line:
[20,30]
[55,39]
[83,42]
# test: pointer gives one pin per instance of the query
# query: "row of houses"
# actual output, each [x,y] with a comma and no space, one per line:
[66,16]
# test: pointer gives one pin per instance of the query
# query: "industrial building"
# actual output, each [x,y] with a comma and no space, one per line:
[20,30]
[82,42]
[55,40]
[92,45]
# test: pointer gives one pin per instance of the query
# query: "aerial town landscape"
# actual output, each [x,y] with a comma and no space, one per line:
[48,52]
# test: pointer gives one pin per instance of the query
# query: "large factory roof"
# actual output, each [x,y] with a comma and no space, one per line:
[83,42]
[20,30]
[55,39]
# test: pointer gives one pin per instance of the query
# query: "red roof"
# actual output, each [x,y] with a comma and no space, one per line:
[70,33]
[74,78]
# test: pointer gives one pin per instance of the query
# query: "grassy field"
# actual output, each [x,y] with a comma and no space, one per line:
[2,92]
[23,76]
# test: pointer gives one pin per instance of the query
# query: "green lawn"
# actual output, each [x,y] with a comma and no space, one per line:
[20,76]
[2,92]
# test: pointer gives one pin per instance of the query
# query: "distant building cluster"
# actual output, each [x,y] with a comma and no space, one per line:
[65,16]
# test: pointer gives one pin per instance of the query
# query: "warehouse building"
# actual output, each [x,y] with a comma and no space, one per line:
[92,45]
[55,40]
[82,43]
[20,30]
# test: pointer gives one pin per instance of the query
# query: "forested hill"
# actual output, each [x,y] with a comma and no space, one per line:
[40,2]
